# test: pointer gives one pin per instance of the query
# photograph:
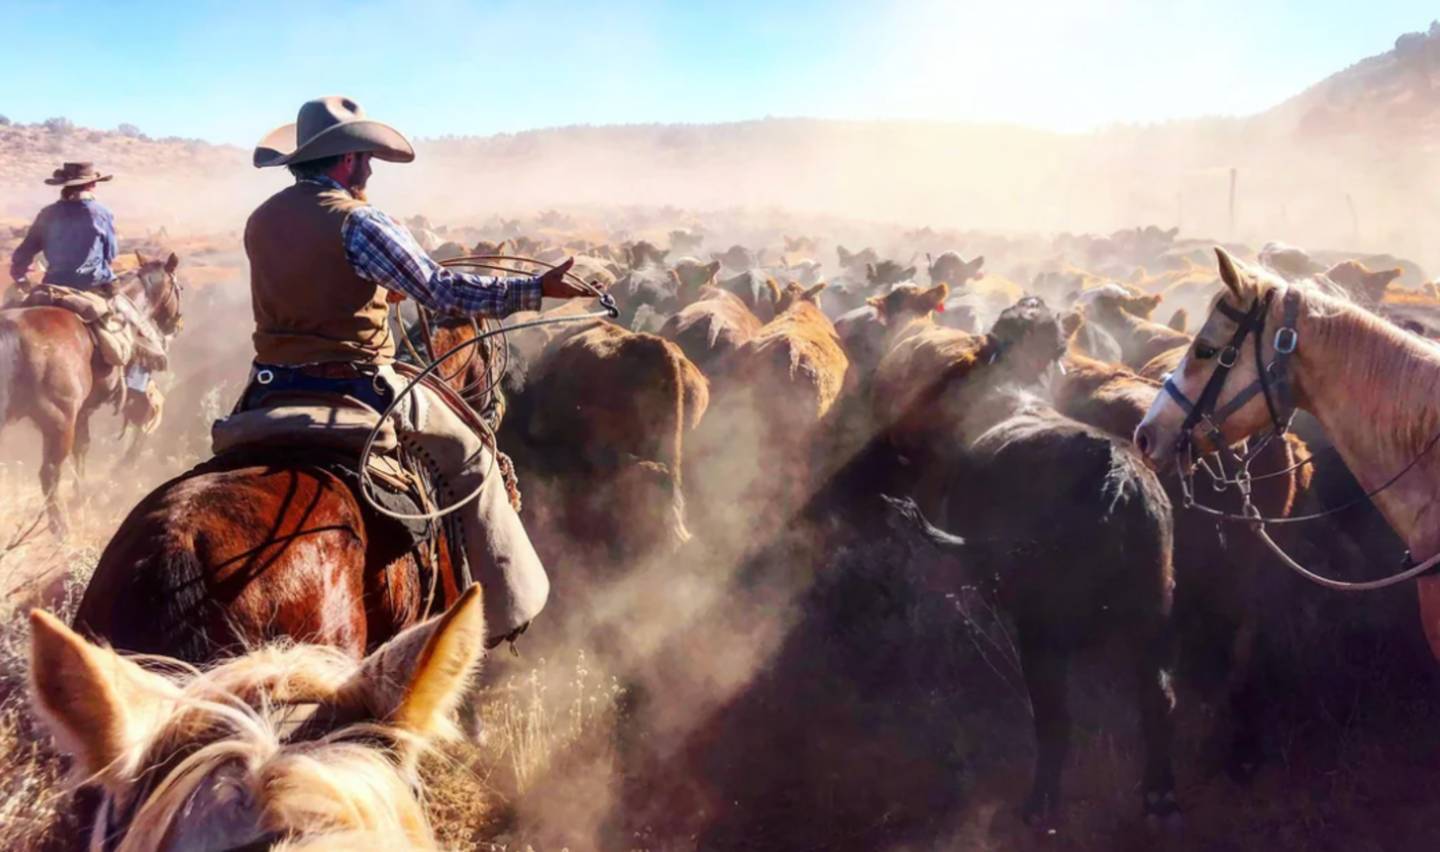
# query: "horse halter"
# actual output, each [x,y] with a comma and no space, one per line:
[1272,381]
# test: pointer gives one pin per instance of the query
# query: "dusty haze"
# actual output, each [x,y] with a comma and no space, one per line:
[1346,164]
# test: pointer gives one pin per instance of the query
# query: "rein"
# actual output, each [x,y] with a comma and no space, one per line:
[1273,383]
[608,310]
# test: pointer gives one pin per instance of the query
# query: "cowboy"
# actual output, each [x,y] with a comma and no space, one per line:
[324,263]
[76,233]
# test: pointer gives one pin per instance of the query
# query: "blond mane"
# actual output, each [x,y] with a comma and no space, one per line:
[340,790]
[287,744]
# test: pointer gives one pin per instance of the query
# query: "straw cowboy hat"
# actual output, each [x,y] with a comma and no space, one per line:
[76,174]
[327,127]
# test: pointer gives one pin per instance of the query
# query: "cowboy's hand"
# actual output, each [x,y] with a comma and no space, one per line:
[553,284]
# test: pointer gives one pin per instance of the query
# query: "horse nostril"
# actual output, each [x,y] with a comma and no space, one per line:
[1142,440]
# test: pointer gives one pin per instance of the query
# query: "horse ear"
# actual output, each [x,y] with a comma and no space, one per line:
[140,258]
[1230,273]
[415,680]
[100,707]
[172,263]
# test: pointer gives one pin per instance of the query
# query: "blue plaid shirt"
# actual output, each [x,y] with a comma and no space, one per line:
[78,239]
[382,250]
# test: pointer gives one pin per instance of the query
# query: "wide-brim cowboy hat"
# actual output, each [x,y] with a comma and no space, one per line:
[328,127]
[76,174]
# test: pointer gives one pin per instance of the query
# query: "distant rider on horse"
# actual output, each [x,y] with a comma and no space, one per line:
[324,264]
[76,234]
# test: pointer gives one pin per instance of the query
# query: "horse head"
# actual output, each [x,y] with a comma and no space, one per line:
[1216,394]
[159,288]
[288,743]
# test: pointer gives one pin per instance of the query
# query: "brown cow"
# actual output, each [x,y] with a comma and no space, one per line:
[602,422]
[754,465]
[1366,287]
[950,269]
[692,276]
[710,330]
[1120,313]
[921,385]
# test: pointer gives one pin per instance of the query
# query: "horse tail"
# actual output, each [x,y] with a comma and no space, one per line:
[9,359]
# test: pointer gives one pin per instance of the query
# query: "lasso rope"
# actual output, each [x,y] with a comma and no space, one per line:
[487,436]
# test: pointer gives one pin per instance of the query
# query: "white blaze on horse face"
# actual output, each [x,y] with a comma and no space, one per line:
[1159,432]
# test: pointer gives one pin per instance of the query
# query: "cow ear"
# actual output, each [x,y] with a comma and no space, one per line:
[878,303]
[1070,322]
[936,295]
[908,273]
[1179,320]
[712,268]
[978,262]
[813,292]
[1153,300]
[870,270]
[416,680]
[172,263]
[140,258]
[100,707]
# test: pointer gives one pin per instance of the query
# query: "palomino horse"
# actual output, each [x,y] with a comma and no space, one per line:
[52,373]
[286,747]
[1374,388]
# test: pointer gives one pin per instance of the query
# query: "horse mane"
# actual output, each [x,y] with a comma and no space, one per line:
[342,787]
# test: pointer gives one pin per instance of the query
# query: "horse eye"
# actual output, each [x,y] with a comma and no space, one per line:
[1204,352]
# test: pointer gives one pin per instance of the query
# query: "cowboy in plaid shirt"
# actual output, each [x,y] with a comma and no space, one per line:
[324,266]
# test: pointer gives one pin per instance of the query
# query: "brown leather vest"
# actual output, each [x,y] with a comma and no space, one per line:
[310,306]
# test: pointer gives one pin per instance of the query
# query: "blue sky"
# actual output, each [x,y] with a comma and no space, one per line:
[229,72]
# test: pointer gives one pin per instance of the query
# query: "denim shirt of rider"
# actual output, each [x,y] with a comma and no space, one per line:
[78,240]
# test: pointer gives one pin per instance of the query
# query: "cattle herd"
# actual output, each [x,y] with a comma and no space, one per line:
[947,411]
[795,389]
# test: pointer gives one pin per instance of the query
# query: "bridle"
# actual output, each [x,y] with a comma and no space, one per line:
[1273,383]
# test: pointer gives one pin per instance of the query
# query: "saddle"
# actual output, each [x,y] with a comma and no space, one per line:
[122,334]
[328,431]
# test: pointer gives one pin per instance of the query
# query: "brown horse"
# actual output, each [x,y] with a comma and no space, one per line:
[255,547]
[51,371]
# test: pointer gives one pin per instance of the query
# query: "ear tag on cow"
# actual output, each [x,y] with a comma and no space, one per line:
[940,308]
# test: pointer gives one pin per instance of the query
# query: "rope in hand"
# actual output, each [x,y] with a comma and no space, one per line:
[608,310]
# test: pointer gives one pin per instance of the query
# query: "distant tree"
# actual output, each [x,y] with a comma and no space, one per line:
[130,131]
[4,122]
[59,124]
